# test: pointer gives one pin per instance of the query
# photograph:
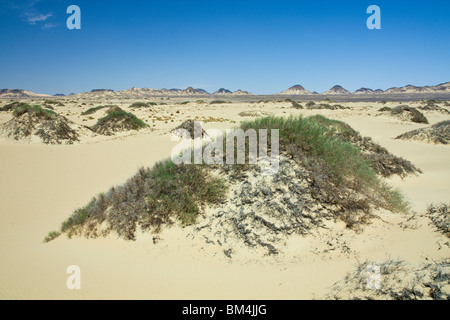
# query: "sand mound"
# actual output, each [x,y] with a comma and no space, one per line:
[320,177]
[33,122]
[262,211]
[188,127]
[397,281]
[438,134]
[253,113]
[13,105]
[116,121]
[436,108]
[325,106]
[95,109]
[440,217]
[407,113]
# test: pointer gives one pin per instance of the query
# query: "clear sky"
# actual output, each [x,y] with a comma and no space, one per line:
[260,46]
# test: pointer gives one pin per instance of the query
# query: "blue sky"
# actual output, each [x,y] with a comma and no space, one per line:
[260,46]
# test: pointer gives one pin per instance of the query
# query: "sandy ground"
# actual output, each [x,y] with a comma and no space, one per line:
[41,185]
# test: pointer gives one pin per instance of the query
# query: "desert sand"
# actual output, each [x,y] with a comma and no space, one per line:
[41,185]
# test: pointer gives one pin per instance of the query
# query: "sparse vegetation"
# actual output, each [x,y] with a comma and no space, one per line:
[339,168]
[142,105]
[118,120]
[310,104]
[13,105]
[95,109]
[413,114]
[51,236]
[438,133]
[34,110]
[218,102]
[440,216]
[338,176]
[398,280]
[153,197]
[379,158]
[57,103]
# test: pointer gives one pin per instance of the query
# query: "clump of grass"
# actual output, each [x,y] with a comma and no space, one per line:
[152,198]
[310,104]
[218,102]
[384,109]
[57,103]
[34,110]
[440,216]
[306,134]
[379,158]
[130,119]
[416,115]
[167,197]
[337,166]
[95,109]
[185,102]
[142,104]
[51,236]
[13,105]
[78,217]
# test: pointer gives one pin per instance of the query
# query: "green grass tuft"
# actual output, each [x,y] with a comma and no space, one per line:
[52,236]
[129,118]
[34,110]
[95,109]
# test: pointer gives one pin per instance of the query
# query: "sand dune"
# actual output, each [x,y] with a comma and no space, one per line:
[43,184]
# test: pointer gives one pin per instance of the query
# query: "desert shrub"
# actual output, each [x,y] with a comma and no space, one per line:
[310,104]
[142,104]
[13,105]
[296,105]
[152,198]
[337,173]
[134,122]
[34,110]
[384,109]
[416,115]
[57,103]
[398,280]
[95,109]
[218,102]
[440,216]
[51,236]
[336,165]
[379,158]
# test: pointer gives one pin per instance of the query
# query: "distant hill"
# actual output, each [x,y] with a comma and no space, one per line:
[364,91]
[440,88]
[296,90]
[443,88]
[223,91]
[19,93]
[240,92]
[337,90]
